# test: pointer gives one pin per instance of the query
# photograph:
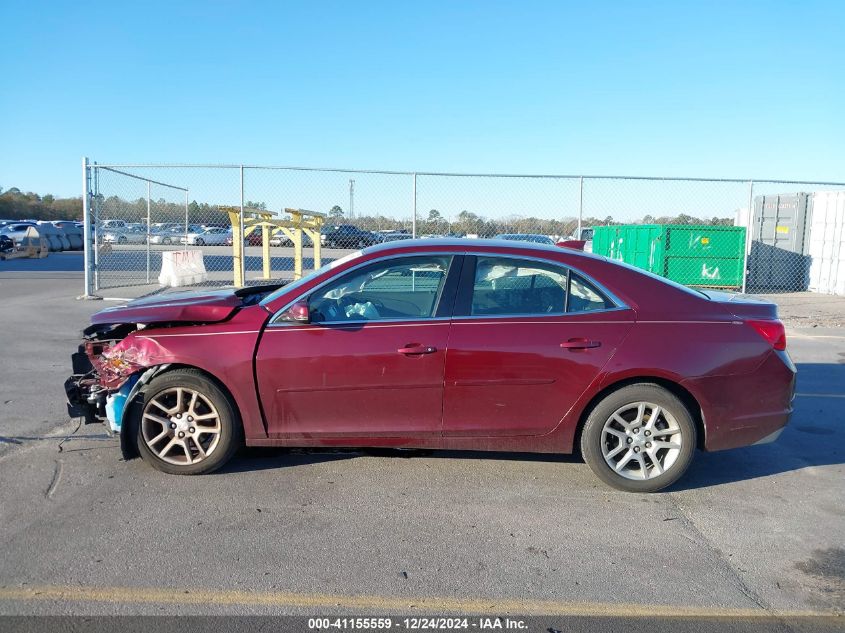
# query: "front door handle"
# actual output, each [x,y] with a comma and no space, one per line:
[580,343]
[414,349]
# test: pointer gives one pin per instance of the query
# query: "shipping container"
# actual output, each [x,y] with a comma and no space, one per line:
[826,243]
[778,259]
[691,254]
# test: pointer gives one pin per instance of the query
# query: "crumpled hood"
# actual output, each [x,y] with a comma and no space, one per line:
[199,306]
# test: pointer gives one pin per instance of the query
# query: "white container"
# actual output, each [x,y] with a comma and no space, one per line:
[827,243]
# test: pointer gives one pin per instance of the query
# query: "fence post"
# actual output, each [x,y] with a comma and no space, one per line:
[240,271]
[414,218]
[580,205]
[86,227]
[95,179]
[148,231]
[748,231]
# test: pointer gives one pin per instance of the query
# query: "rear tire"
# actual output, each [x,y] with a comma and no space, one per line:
[186,424]
[630,450]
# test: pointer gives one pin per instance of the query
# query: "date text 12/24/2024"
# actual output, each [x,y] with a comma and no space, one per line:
[417,624]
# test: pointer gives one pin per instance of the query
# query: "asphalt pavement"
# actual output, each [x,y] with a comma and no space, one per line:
[753,533]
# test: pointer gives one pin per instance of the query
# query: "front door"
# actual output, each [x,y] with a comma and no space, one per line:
[370,362]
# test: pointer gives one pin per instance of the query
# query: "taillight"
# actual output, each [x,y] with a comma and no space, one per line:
[772,331]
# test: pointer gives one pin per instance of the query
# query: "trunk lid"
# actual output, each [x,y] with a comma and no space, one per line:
[743,306]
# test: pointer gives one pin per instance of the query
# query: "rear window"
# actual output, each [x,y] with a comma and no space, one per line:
[668,282]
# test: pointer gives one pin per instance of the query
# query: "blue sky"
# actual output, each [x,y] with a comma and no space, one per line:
[721,89]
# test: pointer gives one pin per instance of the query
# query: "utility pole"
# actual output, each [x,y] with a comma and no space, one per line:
[351,198]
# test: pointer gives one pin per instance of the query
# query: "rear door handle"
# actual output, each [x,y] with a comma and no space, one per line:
[580,343]
[416,350]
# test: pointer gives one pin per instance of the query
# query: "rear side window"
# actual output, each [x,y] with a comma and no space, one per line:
[510,286]
[583,297]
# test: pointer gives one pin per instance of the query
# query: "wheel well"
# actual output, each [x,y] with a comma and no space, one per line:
[127,445]
[673,387]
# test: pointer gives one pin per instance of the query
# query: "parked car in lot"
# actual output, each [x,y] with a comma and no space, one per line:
[55,238]
[394,236]
[280,239]
[157,227]
[347,236]
[16,230]
[165,236]
[444,344]
[112,225]
[128,235]
[255,238]
[211,237]
[526,237]
[72,232]
[585,235]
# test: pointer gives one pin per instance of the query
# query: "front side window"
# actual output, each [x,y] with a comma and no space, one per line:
[399,288]
[507,286]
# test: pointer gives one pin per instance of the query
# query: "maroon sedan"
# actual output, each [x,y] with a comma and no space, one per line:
[445,344]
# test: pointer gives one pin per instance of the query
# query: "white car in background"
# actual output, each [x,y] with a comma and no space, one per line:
[17,230]
[130,235]
[213,237]
[170,235]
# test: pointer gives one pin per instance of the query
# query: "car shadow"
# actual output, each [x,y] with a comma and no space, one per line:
[814,437]
[251,459]
[269,458]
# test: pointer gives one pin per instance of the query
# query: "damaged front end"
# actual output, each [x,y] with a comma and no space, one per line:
[120,353]
[109,368]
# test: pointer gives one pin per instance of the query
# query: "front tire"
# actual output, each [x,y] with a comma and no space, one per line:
[187,424]
[640,438]
[200,242]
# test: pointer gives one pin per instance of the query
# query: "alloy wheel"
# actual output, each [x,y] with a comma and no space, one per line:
[181,426]
[641,440]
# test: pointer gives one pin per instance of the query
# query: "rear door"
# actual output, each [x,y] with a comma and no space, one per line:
[528,338]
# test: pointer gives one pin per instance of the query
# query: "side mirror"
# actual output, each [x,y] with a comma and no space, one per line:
[298,311]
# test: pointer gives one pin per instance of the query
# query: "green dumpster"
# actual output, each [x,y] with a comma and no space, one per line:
[691,254]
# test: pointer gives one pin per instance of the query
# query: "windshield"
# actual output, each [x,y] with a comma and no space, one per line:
[304,280]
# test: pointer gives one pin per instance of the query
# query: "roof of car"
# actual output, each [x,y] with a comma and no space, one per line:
[478,244]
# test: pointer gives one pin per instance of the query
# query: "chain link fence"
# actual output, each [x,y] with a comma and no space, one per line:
[758,236]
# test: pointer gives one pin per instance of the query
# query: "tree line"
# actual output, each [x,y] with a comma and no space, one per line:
[17,205]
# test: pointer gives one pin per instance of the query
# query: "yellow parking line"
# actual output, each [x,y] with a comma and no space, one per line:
[386,604]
